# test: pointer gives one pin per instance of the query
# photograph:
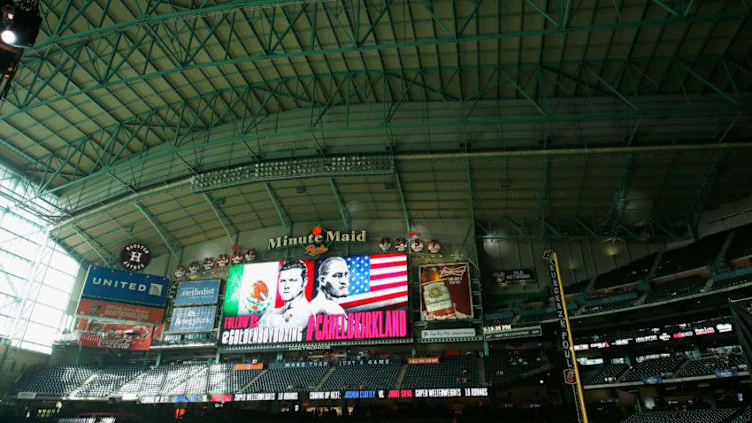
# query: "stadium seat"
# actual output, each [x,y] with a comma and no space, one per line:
[57,381]
[367,376]
[676,288]
[506,367]
[684,416]
[606,373]
[291,379]
[108,380]
[663,366]
[448,373]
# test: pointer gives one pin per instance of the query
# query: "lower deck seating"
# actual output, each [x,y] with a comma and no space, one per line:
[225,378]
[56,381]
[448,373]
[685,416]
[372,376]
[505,367]
[290,379]
[108,380]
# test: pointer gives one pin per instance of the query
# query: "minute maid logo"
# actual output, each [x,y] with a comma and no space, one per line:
[315,242]
[154,288]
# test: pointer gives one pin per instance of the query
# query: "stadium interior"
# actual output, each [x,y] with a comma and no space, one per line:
[375,211]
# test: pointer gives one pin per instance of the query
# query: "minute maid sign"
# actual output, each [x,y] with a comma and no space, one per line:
[123,286]
[317,241]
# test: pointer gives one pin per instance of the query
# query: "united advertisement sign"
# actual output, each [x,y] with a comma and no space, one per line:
[337,298]
[126,312]
[197,293]
[121,286]
[193,319]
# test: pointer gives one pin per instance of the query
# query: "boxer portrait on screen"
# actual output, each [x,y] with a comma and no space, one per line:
[296,310]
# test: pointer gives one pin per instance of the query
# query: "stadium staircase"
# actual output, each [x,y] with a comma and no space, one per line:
[81,386]
[325,377]
[708,285]
[181,388]
[244,387]
[641,300]
[721,258]
[401,375]
[656,263]
[480,370]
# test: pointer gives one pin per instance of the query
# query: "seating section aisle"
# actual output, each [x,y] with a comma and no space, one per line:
[224,378]
[161,380]
[108,380]
[291,379]
[676,288]
[685,416]
[374,376]
[506,367]
[449,372]
[56,381]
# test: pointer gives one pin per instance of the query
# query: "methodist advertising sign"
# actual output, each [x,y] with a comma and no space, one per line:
[193,319]
[124,286]
[133,313]
[337,298]
[99,334]
[445,292]
[197,292]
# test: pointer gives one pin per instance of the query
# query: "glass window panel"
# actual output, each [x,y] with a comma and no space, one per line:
[46,315]
[64,263]
[36,347]
[53,297]
[59,280]
[40,334]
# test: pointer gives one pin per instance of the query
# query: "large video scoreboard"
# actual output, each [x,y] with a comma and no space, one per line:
[336,298]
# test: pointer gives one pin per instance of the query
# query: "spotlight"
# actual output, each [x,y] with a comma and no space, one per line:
[20,23]
[8,37]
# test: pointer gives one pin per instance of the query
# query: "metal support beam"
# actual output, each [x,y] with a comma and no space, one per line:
[95,246]
[221,216]
[543,194]
[162,232]
[408,223]
[341,204]
[706,186]
[471,204]
[622,193]
[278,207]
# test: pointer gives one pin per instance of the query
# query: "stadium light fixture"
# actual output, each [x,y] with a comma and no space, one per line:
[19,26]
[355,165]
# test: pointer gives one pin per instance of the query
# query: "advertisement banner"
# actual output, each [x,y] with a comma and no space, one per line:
[193,319]
[337,298]
[423,360]
[115,336]
[249,366]
[133,313]
[448,333]
[125,286]
[197,293]
[515,276]
[445,292]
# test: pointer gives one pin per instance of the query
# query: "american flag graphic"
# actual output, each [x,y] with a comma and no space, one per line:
[377,281]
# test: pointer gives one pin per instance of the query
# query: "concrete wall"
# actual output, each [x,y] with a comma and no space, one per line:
[13,362]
